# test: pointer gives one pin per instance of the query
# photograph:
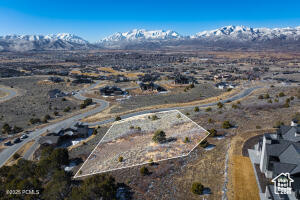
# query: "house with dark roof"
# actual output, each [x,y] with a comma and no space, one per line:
[60,135]
[50,140]
[279,153]
[182,79]
[112,91]
[152,87]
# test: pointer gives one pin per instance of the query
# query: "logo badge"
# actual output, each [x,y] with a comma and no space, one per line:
[283,183]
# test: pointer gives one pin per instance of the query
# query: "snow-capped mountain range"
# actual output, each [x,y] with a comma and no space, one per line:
[51,37]
[243,33]
[142,34]
[141,38]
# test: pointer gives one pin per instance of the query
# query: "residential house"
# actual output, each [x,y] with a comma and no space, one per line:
[60,135]
[112,91]
[151,86]
[279,153]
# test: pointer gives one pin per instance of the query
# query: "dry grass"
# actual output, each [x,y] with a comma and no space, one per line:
[109,71]
[244,182]
[102,115]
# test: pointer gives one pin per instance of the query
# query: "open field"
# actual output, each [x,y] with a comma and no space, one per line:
[200,92]
[131,139]
[113,113]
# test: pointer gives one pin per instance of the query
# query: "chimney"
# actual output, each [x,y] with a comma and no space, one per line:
[294,122]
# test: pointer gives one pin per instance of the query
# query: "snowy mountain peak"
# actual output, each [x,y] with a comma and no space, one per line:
[142,34]
[51,37]
[243,33]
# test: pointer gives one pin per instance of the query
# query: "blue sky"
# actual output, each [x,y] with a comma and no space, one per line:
[93,20]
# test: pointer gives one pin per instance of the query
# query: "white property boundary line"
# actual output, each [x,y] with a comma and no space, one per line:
[184,155]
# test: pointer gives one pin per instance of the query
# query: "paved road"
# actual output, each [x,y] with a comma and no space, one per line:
[8,152]
[11,94]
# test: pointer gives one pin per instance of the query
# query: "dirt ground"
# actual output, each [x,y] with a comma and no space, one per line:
[136,146]
[200,91]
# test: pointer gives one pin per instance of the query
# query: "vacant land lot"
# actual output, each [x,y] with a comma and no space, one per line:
[33,102]
[132,139]
[200,91]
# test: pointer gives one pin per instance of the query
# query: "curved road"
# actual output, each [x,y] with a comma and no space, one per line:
[8,152]
[11,94]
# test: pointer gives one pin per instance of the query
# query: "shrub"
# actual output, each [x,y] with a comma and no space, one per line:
[131,127]
[34,120]
[88,101]
[238,102]
[260,97]
[234,106]
[213,132]
[270,101]
[178,116]
[6,129]
[286,105]
[95,132]
[266,96]
[210,120]
[187,113]
[220,105]
[17,129]
[204,144]
[292,98]
[144,171]
[197,188]
[196,109]
[16,156]
[151,162]
[281,94]
[208,109]
[138,128]
[118,118]
[154,117]
[276,100]
[82,106]
[186,140]
[227,125]
[47,117]
[121,159]
[287,100]
[159,136]
[258,127]
[67,109]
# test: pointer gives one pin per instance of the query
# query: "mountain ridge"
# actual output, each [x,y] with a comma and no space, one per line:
[237,36]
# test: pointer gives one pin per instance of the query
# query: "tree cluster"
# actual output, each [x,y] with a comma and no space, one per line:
[48,177]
